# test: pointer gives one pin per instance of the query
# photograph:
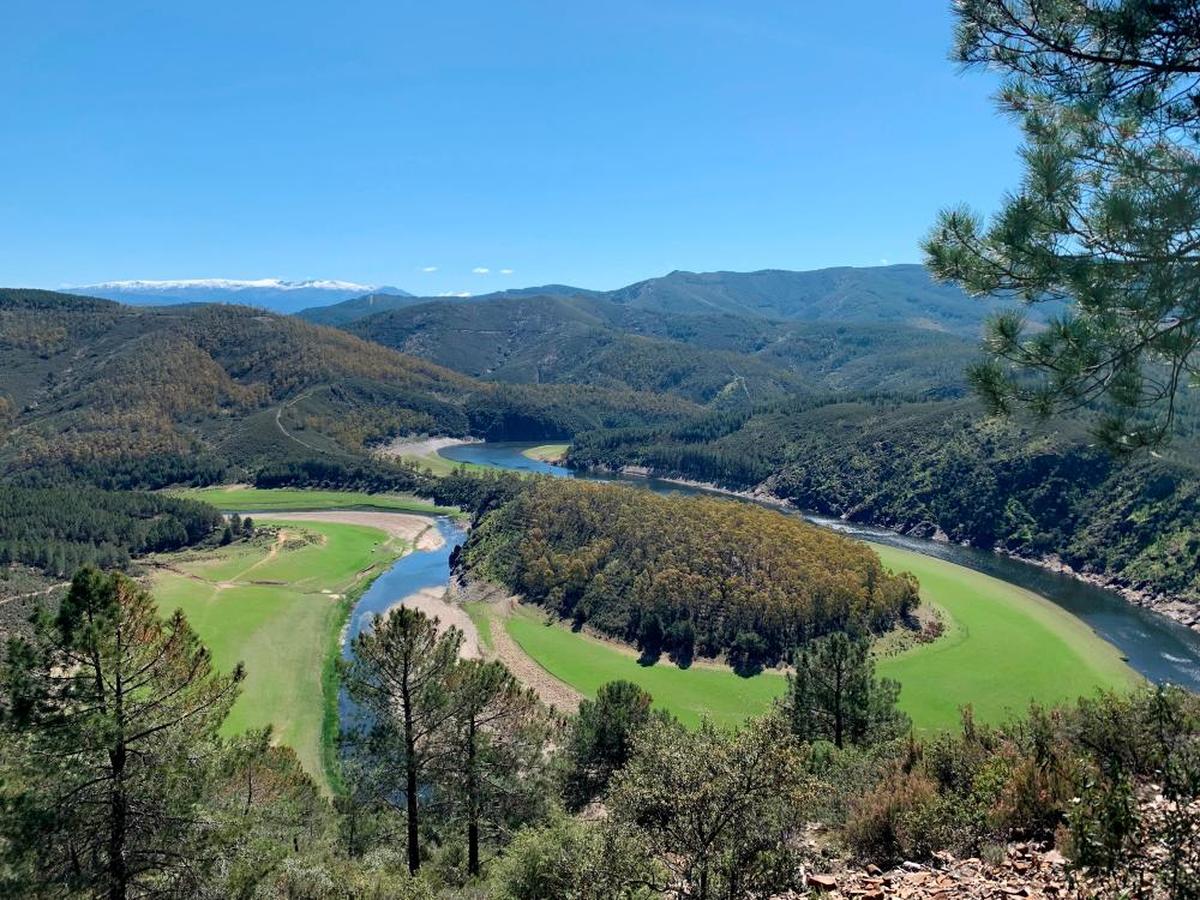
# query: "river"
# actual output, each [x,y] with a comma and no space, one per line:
[1157,647]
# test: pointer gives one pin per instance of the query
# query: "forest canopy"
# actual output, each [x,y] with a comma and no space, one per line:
[684,575]
[58,530]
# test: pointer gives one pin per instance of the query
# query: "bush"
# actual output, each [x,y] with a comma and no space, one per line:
[568,859]
[889,824]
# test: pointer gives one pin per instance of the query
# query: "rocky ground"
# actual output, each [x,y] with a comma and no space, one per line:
[1037,870]
[1027,871]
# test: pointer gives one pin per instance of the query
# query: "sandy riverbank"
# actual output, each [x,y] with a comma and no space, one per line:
[419,446]
[434,603]
[416,530]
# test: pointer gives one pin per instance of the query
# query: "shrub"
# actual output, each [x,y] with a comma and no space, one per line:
[886,825]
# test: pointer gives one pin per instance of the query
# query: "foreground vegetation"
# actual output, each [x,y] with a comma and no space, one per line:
[117,743]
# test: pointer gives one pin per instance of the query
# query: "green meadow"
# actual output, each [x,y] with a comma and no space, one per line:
[245,499]
[585,663]
[277,605]
[1003,647]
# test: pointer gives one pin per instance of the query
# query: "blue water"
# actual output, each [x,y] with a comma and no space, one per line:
[1157,647]
[409,574]
[503,456]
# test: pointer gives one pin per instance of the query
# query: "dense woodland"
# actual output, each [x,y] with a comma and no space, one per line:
[147,397]
[685,576]
[58,530]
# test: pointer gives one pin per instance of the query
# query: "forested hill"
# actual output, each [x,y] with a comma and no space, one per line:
[704,358]
[896,295]
[167,394]
[545,339]
[685,576]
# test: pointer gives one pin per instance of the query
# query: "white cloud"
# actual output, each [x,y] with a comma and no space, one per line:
[481,270]
[429,268]
[506,271]
[884,262]
[455,294]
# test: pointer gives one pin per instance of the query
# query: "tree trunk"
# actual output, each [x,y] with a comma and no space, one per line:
[410,786]
[118,874]
[838,712]
[472,803]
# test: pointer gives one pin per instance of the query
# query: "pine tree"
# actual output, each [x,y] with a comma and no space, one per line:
[112,718]
[721,812]
[602,738]
[499,731]
[834,694]
[1107,216]
[400,676]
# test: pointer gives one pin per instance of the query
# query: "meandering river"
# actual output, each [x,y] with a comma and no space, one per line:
[1157,647]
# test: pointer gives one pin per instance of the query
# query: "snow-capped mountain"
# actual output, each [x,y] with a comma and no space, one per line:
[270,293]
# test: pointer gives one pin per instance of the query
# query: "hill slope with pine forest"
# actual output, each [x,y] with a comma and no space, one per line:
[146,396]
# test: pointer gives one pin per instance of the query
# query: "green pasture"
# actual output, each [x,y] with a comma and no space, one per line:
[1003,648]
[276,605]
[551,453]
[585,663]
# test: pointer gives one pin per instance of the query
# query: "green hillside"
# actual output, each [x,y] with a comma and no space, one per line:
[159,395]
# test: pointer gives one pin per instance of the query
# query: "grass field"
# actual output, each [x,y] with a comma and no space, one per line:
[585,663]
[481,617]
[1002,648]
[246,499]
[550,453]
[277,605]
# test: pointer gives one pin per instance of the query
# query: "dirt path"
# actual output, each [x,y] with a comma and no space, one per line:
[276,546]
[418,531]
[434,603]
[42,593]
[283,430]
[552,692]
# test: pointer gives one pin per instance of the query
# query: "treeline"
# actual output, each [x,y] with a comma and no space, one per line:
[57,530]
[683,575]
[457,783]
[472,491]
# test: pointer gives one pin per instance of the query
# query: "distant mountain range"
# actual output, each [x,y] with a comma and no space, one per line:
[269,293]
[901,294]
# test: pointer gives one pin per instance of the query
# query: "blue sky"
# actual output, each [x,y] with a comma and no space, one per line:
[587,143]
